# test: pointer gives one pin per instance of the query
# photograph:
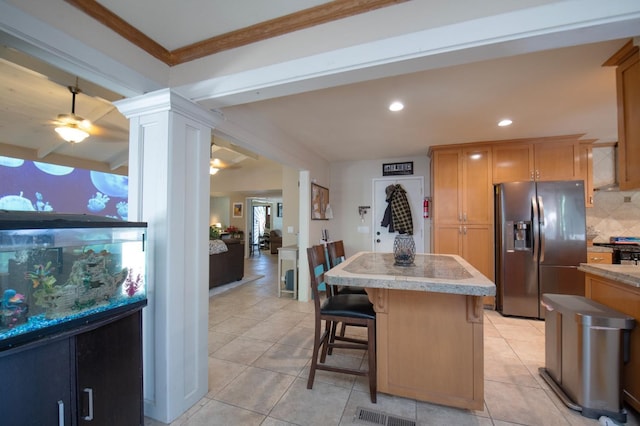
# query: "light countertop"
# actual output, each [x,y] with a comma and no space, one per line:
[440,273]
[627,274]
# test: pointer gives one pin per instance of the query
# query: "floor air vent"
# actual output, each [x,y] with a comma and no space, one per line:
[372,417]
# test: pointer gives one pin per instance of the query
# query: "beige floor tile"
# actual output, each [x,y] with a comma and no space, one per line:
[508,370]
[338,379]
[321,406]
[521,331]
[497,348]
[217,413]
[299,336]
[235,325]
[256,389]
[221,373]
[270,421]
[520,404]
[284,359]
[532,349]
[268,331]
[433,414]
[242,350]
[218,340]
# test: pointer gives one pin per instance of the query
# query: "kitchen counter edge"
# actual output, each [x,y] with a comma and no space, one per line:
[627,274]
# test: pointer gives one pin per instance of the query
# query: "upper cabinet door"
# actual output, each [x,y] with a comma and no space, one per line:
[557,161]
[628,82]
[512,162]
[447,180]
[477,188]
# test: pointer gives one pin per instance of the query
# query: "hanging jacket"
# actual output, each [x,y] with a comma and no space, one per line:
[401,211]
[397,216]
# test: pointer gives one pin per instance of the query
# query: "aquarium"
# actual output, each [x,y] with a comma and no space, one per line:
[58,271]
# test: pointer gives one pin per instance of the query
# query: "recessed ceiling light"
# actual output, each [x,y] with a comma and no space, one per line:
[505,122]
[396,106]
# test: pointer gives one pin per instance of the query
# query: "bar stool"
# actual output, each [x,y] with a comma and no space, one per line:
[352,308]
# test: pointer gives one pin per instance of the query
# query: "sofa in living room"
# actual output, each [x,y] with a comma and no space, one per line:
[275,240]
[226,266]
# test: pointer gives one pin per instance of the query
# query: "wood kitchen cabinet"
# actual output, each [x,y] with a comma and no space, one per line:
[88,375]
[463,205]
[540,159]
[627,61]
[599,257]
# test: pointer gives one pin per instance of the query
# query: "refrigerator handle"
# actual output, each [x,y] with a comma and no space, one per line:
[535,226]
[542,239]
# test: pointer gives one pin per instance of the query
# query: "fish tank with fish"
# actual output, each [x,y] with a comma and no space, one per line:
[60,271]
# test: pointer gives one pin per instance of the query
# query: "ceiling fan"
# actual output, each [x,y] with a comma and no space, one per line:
[224,158]
[71,127]
[75,129]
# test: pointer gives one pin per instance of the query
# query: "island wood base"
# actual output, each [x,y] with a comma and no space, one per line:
[430,346]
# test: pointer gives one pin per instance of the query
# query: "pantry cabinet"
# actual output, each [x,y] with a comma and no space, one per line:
[463,205]
[89,375]
[627,61]
[542,159]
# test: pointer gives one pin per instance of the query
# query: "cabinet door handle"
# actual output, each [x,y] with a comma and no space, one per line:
[464,217]
[464,230]
[531,175]
[90,392]
[60,413]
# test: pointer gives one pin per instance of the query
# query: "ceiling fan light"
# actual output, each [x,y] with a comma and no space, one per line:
[70,132]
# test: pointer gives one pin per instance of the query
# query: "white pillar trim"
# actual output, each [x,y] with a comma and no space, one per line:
[169,189]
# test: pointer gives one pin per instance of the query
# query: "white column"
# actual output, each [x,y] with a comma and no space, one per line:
[169,189]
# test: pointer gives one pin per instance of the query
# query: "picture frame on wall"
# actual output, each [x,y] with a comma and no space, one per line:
[319,202]
[237,209]
[279,210]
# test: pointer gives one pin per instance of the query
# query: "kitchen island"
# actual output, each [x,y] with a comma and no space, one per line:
[429,324]
[618,287]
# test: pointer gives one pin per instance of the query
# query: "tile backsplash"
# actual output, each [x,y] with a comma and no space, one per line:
[615,213]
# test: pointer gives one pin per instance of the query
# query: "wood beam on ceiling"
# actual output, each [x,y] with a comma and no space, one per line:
[321,14]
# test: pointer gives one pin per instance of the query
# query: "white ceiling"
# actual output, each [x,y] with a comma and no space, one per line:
[553,92]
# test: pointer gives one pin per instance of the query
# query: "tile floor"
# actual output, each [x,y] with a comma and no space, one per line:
[260,349]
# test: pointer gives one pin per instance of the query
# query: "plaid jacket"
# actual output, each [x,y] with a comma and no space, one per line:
[401,211]
[400,217]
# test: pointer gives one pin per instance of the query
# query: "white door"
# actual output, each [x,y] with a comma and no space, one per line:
[382,238]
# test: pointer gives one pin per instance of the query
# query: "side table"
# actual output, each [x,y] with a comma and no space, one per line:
[287,256]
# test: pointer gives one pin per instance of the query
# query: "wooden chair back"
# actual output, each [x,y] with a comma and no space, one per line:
[335,249]
[317,267]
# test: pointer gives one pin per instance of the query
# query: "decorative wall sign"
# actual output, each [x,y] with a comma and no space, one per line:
[393,169]
[319,202]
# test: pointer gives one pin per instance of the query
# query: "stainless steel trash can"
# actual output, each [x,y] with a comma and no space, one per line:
[586,344]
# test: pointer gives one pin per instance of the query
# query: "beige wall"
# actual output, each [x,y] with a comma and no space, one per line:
[351,186]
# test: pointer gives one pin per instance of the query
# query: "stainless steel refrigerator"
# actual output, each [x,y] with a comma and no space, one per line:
[540,242]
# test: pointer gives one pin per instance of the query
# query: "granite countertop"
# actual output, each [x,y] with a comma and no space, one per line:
[626,274]
[440,273]
[599,249]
